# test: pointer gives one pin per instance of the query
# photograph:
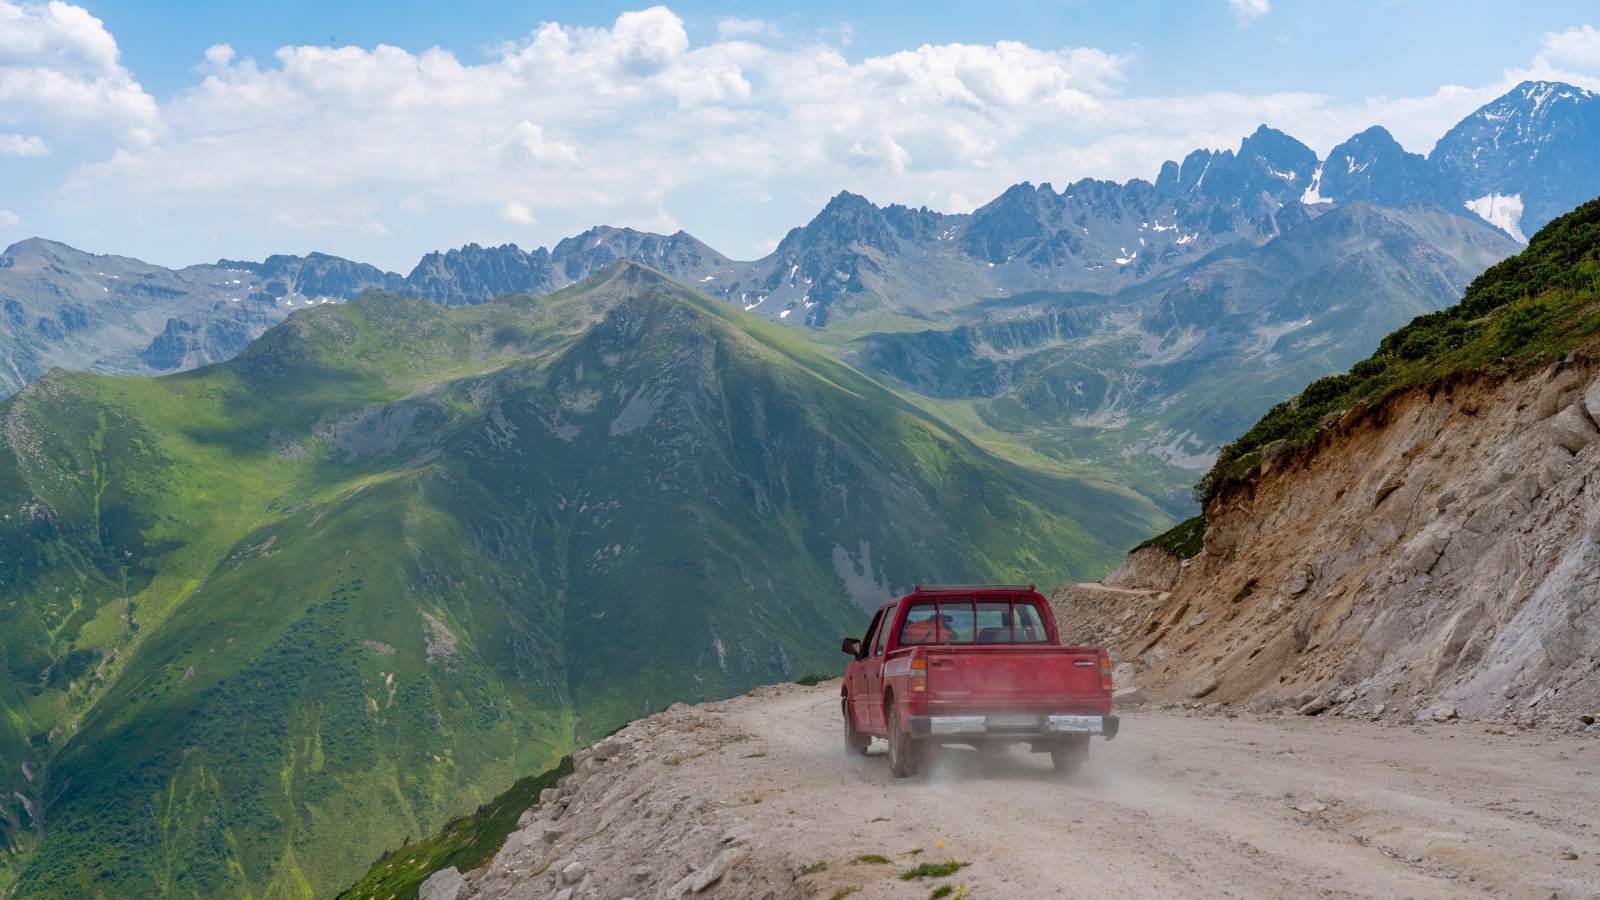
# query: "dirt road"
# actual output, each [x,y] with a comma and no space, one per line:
[1176,806]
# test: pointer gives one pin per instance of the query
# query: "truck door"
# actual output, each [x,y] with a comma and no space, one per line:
[874,667]
[860,701]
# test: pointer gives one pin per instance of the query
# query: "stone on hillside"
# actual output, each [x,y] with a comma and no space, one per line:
[1129,696]
[1571,429]
[1205,687]
[445,884]
[1591,400]
[1444,713]
[725,860]
[677,891]
[1317,706]
[573,873]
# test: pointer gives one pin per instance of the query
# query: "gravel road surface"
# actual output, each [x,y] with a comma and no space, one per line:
[1185,805]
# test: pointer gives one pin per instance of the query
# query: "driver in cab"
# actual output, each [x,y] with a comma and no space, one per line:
[929,629]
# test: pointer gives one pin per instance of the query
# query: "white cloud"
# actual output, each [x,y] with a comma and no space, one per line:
[569,127]
[518,213]
[733,27]
[1576,48]
[17,145]
[1247,11]
[59,68]
[9,218]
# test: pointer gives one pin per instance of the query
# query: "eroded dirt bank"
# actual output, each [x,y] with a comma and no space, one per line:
[1437,554]
[746,794]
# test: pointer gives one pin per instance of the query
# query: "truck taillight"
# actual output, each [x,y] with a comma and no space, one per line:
[919,669]
[1105,673]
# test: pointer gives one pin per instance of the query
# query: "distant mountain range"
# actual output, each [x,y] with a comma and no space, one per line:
[1516,163]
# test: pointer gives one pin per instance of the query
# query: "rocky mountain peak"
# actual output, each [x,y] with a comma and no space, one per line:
[1525,157]
[1372,166]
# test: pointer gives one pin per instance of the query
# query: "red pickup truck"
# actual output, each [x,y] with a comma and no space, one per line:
[974,664]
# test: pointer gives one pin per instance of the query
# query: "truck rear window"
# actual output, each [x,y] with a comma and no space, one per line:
[963,621]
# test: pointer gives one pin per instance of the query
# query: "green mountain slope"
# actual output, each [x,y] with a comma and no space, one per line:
[395,556]
[1143,386]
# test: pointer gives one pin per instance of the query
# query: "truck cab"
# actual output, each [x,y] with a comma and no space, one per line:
[979,665]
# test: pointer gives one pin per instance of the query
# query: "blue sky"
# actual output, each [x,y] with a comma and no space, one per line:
[184,131]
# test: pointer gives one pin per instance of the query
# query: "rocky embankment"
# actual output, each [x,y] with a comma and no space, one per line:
[624,825]
[1432,556]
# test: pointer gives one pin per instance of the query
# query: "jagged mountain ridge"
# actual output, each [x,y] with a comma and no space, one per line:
[1515,163]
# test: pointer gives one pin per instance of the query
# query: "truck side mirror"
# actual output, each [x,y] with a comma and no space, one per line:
[851,646]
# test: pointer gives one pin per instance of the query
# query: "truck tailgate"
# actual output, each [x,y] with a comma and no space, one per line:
[1012,676]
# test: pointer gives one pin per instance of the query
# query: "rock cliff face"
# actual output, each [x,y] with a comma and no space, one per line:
[1437,554]
[1146,569]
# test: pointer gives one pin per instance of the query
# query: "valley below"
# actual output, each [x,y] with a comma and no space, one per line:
[754,795]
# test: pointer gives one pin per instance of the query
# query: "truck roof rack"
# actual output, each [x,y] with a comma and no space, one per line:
[970,588]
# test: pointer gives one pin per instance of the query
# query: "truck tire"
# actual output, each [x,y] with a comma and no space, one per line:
[1068,757]
[902,747]
[855,743]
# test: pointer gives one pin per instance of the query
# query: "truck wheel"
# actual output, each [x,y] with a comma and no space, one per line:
[902,747]
[1069,757]
[855,743]
[1065,761]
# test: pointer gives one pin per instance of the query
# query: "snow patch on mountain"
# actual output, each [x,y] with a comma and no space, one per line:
[1504,213]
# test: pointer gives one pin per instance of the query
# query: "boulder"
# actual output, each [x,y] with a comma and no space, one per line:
[1129,696]
[573,873]
[1206,686]
[725,860]
[1571,429]
[445,884]
[1316,706]
[1591,400]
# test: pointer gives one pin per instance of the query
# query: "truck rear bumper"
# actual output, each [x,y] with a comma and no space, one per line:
[926,726]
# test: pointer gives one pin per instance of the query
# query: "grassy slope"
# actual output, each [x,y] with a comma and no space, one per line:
[393,557]
[465,843]
[1528,310]
[1193,358]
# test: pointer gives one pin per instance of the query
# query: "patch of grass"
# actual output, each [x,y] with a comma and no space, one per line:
[820,865]
[754,755]
[1184,540]
[873,858]
[812,680]
[878,819]
[943,890]
[1529,310]
[843,893]
[934,870]
[467,842]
